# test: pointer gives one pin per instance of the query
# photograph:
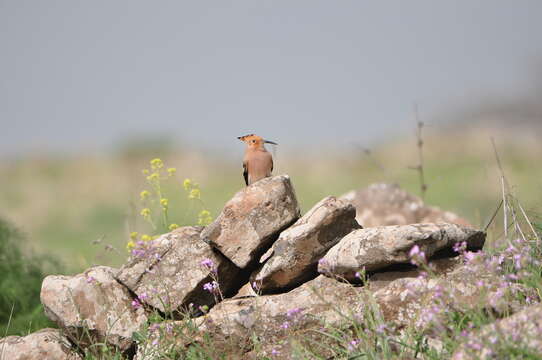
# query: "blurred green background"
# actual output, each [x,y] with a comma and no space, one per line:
[82,209]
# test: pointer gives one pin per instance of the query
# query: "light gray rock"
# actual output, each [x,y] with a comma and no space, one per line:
[92,307]
[46,344]
[293,258]
[252,220]
[494,341]
[379,247]
[387,204]
[168,273]
[308,306]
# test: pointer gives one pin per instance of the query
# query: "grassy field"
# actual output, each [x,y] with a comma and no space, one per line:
[81,209]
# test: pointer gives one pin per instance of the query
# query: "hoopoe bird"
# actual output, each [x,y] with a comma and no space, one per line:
[258,162]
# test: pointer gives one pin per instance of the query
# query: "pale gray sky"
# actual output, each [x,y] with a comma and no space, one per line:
[82,75]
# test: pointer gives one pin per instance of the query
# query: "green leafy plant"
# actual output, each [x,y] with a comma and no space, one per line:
[20,309]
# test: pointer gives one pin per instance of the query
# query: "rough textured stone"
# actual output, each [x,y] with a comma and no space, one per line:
[387,204]
[91,307]
[252,220]
[494,341]
[268,315]
[293,259]
[169,275]
[411,301]
[46,344]
[378,247]
[233,322]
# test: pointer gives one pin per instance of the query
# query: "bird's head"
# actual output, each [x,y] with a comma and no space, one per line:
[255,141]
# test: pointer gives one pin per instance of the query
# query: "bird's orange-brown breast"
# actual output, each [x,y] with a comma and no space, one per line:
[259,164]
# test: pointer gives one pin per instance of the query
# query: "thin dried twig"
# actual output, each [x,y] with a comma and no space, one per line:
[419,167]
[493,216]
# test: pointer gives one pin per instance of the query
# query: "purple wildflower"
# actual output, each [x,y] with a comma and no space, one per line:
[209,265]
[211,287]
[293,312]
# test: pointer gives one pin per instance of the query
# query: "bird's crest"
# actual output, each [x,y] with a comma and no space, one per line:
[248,137]
[255,139]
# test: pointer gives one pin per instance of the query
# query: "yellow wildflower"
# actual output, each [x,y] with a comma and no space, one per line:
[194,194]
[144,194]
[187,183]
[204,218]
[156,164]
[133,235]
[171,171]
[145,172]
[153,176]
[130,245]
[164,202]
[145,237]
[173,227]
[145,212]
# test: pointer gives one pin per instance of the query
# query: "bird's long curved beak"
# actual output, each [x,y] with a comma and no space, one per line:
[270,142]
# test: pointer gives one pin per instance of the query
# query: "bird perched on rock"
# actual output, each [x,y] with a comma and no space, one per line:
[258,162]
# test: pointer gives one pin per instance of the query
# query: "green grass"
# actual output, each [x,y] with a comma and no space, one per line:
[20,309]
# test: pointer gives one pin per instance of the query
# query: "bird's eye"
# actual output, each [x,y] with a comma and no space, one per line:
[253,141]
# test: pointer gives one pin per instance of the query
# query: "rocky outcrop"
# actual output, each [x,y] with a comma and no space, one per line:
[92,307]
[399,277]
[253,219]
[495,341]
[46,344]
[170,272]
[379,247]
[293,258]
[387,204]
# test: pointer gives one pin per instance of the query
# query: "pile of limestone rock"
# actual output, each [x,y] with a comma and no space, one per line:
[256,262]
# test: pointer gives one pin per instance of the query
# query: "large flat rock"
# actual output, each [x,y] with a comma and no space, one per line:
[92,307]
[293,258]
[308,306]
[168,273]
[379,247]
[252,220]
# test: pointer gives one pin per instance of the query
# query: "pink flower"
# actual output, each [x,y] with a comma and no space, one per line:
[136,304]
[285,325]
[417,257]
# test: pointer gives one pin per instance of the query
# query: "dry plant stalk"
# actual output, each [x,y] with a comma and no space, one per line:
[419,144]
[508,201]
